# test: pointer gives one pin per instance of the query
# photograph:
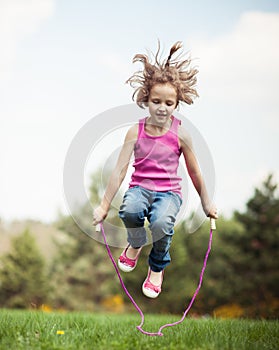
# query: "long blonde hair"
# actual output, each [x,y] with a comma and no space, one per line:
[175,71]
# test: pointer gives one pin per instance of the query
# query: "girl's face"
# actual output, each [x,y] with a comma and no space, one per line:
[162,102]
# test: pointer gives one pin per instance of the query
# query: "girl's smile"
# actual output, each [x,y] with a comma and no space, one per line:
[162,102]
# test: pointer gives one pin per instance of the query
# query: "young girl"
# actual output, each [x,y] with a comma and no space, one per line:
[157,142]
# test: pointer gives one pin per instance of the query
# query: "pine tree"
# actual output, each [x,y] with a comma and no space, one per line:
[259,263]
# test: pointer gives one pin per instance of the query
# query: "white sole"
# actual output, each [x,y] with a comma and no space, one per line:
[149,293]
[124,267]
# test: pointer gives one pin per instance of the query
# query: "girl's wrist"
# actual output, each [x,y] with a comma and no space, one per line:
[105,206]
[206,206]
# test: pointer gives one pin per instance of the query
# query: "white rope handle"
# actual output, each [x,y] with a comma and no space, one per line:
[212,224]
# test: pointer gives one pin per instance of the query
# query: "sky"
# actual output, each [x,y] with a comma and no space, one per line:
[62,63]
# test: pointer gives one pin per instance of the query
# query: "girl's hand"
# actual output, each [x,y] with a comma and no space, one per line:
[99,215]
[213,213]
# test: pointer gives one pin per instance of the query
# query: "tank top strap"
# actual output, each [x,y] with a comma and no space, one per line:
[141,127]
[175,124]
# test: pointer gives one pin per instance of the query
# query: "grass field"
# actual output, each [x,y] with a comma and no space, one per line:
[52,331]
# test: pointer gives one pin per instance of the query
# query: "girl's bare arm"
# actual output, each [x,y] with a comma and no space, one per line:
[195,173]
[117,176]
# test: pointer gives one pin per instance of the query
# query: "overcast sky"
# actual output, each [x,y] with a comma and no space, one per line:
[64,62]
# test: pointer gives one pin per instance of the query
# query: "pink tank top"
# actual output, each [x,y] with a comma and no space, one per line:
[157,159]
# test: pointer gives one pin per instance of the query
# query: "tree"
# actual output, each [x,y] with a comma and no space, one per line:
[23,276]
[259,262]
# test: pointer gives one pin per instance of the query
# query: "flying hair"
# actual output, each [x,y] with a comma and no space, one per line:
[173,70]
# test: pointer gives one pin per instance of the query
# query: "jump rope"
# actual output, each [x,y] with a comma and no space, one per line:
[100,227]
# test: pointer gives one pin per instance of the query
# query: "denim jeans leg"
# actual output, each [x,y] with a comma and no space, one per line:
[133,211]
[162,215]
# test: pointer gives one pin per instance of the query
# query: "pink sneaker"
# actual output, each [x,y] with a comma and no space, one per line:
[149,289]
[126,264]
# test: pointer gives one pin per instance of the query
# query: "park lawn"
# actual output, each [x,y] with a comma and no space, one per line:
[72,330]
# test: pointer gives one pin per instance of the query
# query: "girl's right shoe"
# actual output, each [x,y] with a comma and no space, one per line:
[127,264]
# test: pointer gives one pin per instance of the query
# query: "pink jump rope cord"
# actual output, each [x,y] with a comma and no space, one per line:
[159,333]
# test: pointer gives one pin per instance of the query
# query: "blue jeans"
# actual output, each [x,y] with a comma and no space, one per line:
[160,209]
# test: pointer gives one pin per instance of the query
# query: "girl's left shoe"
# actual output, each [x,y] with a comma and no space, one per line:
[126,264]
[149,289]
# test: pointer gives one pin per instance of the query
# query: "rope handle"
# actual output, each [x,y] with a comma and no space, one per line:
[212,224]
[100,227]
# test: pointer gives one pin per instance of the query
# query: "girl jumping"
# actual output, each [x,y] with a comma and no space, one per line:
[157,143]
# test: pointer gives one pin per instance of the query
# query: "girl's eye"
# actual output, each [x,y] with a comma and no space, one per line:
[169,104]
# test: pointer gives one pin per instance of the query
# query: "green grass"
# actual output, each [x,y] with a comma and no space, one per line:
[37,330]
